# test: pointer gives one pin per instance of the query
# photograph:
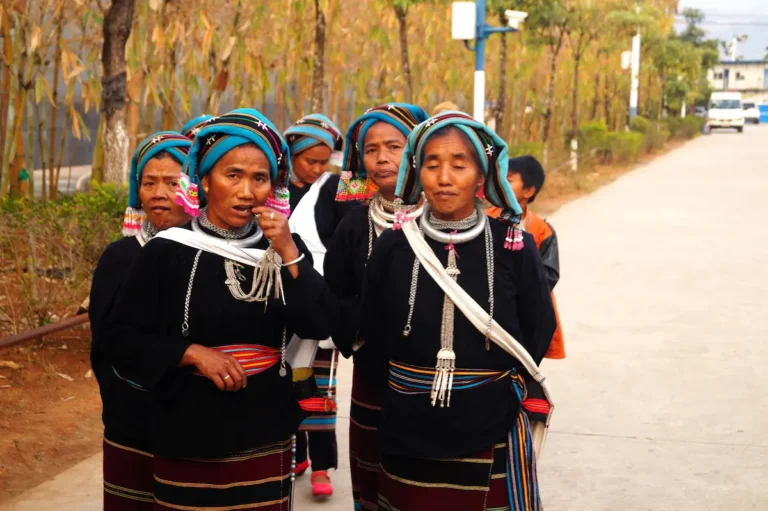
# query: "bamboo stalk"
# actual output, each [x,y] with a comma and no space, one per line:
[54,182]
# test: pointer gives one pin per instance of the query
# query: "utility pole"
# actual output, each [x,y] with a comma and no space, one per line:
[635,63]
[462,29]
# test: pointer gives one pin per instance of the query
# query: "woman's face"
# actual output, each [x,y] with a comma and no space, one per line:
[157,193]
[450,176]
[309,165]
[382,151]
[237,183]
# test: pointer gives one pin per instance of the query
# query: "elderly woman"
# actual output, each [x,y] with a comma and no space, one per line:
[374,147]
[450,427]
[152,207]
[203,319]
[315,215]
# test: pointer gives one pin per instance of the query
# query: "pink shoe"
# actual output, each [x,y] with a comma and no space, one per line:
[321,489]
[302,467]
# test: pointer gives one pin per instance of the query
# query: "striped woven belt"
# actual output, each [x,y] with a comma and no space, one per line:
[408,379]
[254,358]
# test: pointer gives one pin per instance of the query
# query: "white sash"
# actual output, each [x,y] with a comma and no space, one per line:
[201,241]
[303,222]
[479,318]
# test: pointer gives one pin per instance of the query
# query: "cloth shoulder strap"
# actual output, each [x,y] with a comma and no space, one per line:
[200,241]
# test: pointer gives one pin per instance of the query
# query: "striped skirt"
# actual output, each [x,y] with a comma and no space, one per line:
[322,409]
[363,443]
[483,481]
[502,477]
[258,479]
[128,481]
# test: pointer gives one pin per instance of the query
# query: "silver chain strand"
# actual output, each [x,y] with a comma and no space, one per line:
[283,352]
[148,231]
[381,219]
[491,267]
[185,324]
[412,295]
[227,234]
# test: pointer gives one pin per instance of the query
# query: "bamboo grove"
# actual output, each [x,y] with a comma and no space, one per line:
[290,57]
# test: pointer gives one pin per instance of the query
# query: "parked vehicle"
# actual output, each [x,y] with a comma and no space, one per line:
[751,113]
[700,111]
[725,111]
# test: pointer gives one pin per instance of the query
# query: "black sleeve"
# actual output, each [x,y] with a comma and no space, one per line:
[111,270]
[336,210]
[311,310]
[374,352]
[141,349]
[534,303]
[340,277]
[550,257]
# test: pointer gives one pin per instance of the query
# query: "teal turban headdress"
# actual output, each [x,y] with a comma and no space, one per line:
[170,142]
[222,134]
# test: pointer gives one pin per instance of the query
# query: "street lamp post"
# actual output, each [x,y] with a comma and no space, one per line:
[467,27]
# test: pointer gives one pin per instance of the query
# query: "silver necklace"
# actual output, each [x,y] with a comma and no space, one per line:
[453,225]
[146,233]
[433,232]
[442,383]
[260,270]
[227,234]
[240,243]
[381,216]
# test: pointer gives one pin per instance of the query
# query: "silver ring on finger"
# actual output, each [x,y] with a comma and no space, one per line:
[272,216]
[226,378]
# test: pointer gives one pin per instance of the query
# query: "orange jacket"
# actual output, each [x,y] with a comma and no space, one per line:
[546,241]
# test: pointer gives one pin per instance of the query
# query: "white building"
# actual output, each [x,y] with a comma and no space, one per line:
[750,77]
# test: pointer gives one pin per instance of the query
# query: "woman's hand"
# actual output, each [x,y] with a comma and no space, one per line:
[275,227]
[223,370]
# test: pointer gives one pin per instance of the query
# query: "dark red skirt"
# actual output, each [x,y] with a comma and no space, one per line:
[128,481]
[480,482]
[257,479]
[363,447]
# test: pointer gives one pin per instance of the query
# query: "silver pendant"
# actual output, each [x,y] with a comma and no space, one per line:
[283,372]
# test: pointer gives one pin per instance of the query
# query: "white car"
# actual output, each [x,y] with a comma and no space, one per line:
[725,111]
[751,113]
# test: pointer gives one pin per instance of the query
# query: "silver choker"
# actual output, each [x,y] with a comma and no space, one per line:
[379,219]
[227,234]
[250,241]
[431,228]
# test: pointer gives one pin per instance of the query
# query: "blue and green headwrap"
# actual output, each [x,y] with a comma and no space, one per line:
[354,184]
[191,127]
[171,142]
[490,148]
[312,130]
[222,134]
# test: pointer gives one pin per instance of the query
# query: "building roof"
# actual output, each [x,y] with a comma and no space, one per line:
[742,62]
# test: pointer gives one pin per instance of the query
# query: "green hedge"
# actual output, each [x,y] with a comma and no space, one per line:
[624,147]
[535,149]
[685,128]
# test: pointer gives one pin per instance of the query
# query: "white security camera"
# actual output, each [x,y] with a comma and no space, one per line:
[514,18]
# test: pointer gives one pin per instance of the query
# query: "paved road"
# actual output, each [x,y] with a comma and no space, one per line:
[660,403]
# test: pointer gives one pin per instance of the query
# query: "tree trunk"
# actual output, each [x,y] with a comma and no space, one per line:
[318,64]
[5,88]
[97,165]
[402,18]
[117,29]
[575,99]
[53,183]
[596,98]
[607,101]
[501,100]
[551,92]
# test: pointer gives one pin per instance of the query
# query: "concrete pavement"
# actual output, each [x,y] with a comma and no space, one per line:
[660,403]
